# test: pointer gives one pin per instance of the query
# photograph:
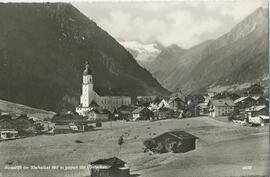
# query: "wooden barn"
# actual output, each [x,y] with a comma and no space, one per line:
[172,141]
[111,167]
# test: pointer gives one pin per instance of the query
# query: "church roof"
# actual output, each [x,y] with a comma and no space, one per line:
[93,104]
[87,70]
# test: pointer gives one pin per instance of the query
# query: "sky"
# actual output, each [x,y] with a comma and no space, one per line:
[185,23]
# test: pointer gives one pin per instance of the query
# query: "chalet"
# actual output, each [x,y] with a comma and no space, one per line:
[163,103]
[22,124]
[8,134]
[62,129]
[178,94]
[258,120]
[125,112]
[64,121]
[111,167]
[172,141]
[244,102]
[176,103]
[257,111]
[97,115]
[260,100]
[142,113]
[223,107]
[203,109]
[165,113]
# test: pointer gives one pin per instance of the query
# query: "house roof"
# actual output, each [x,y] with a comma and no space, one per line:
[180,135]
[223,102]
[93,104]
[255,108]
[62,127]
[242,99]
[165,109]
[113,162]
[139,109]
[175,98]
[264,117]
[203,105]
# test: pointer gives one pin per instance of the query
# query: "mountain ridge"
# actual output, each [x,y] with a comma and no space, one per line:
[47,59]
[238,56]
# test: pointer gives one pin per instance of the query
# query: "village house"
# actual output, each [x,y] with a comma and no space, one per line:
[7,128]
[64,121]
[62,129]
[260,100]
[177,103]
[8,134]
[142,113]
[257,115]
[244,102]
[172,141]
[89,94]
[202,109]
[164,103]
[165,113]
[22,124]
[96,114]
[257,110]
[222,107]
[111,167]
[125,112]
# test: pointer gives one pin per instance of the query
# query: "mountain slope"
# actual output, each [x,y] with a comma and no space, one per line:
[13,108]
[239,56]
[43,48]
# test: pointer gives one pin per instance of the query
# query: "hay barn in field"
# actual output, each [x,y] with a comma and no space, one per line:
[172,141]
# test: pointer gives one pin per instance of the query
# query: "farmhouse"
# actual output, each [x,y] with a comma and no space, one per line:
[63,122]
[164,103]
[62,129]
[111,167]
[165,113]
[142,113]
[108,102]
[125,112]
[203,109]
[8,134]
[96,114]
[22,124]
[244,102]
[177,103]
[172,141]
[257,110]
[223,107]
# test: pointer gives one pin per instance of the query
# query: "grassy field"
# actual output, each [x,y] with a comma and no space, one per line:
[223,149]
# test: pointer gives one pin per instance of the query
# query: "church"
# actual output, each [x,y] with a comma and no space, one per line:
[90,98]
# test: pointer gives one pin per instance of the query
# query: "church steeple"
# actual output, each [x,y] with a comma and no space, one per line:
[87,70]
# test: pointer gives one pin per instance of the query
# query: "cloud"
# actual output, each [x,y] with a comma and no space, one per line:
[184,23]
[122,25]
[185,30]
[240,9]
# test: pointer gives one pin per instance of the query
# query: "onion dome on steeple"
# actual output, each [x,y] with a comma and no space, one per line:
[87,70]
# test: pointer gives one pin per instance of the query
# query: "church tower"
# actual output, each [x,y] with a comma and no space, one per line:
[87,86]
